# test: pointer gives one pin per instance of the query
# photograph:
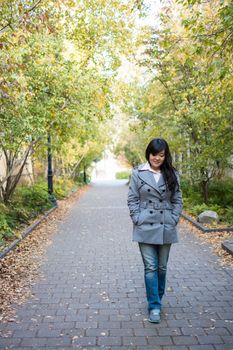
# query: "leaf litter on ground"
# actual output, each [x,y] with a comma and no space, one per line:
[20,268]
[215,240]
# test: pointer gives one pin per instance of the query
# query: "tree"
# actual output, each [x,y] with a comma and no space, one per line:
[188,97]
[58,63]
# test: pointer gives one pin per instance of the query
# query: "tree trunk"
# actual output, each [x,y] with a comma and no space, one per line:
[205,191]
[14,169]
[84,175]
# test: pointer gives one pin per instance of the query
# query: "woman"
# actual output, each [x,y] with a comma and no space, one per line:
[155,205]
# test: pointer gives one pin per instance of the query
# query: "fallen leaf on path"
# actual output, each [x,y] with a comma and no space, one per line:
[19,269]
[215,240]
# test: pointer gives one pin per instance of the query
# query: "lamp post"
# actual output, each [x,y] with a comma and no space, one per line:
[50,173]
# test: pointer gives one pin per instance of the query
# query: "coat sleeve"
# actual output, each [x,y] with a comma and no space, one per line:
[177,201]
[133,199]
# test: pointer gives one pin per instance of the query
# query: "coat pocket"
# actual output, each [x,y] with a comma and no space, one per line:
[142,213]
[169,219]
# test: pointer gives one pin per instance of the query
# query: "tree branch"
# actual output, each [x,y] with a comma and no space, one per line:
[18,162]
[9,24]
[169,92]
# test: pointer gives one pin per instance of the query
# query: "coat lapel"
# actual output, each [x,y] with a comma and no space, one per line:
[148,177]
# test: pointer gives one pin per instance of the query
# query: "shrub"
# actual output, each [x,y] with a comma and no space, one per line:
[199,208]
[5,231]
[79,178]
[123,175]
[62,187]
[221,192]
[192,193]
[220,199]
[228,217]
[28,201]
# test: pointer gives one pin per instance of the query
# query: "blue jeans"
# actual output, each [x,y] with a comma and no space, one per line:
[155,258]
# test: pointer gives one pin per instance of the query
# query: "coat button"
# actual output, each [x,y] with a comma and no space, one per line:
[148,190]
[151,223]
[164,190]
[151,212]
[142,182]
[150,201]
[161,212]
[160,200]
[161,223]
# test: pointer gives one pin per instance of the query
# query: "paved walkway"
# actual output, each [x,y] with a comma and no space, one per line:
[93,293]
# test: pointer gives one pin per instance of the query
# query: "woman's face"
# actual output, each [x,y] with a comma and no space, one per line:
[157,160]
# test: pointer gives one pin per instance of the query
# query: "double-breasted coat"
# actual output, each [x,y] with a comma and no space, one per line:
[154,212]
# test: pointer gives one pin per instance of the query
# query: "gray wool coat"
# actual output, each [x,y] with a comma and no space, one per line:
[153,212]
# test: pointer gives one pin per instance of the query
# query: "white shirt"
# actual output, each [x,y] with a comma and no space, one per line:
[156,173]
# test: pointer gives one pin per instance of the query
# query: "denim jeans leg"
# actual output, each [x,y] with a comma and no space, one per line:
[150,260]
[163,252]
[155,259]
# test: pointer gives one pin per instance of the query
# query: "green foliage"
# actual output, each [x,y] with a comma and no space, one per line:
[79,178]
[199,208]
[123,175]
[63,187]
[29,201]
[187,98]
[191,192]
[221,192]
[228,217]
[59,61]
[221,199]
[6,231]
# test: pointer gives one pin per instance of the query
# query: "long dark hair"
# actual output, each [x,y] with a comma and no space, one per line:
[158,145]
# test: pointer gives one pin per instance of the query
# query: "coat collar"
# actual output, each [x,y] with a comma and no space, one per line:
[148,177]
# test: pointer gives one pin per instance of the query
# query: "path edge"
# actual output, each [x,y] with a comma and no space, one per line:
[25,233]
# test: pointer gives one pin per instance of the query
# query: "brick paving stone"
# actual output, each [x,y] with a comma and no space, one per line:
[148,347]
[98,318]
[119,348]
[227,339]
[185,340]
[161,340]
[134,340]
[97,332]
[6,342]
[201,347]
[169,331]
[123,318]
[110,324]
[24,333]
[146,332]
[120,332]
[192,331]
[175,347]
[73,332]
[209,339]
[217,330]
[109,341]
[34,342]
[86,325]
[93,296]
[227,315]
[230,329]
[85,341]
[47,333]
[178,323]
